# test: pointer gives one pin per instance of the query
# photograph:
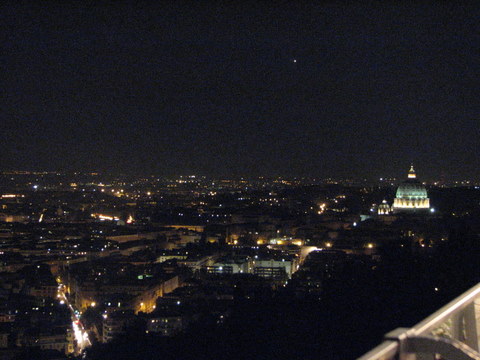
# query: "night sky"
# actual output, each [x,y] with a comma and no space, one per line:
[278,88]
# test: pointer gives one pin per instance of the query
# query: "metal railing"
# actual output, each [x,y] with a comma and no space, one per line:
[451,333]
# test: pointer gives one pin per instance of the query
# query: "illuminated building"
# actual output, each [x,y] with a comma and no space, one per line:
[167,324]
[275,268]
[114,325]
[411,195]
[384,208]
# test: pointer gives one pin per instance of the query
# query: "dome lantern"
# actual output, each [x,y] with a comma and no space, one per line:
[411,173]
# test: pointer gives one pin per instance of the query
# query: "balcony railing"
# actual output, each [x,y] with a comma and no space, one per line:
[451,333]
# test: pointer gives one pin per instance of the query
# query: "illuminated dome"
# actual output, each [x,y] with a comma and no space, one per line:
[384,208]
[411,190]
[411,195]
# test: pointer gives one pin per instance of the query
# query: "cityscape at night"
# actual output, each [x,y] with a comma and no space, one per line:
[239,180]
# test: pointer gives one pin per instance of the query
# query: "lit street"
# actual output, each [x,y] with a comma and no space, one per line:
[81,336]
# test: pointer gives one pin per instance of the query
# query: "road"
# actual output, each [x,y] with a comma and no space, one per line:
[81,335]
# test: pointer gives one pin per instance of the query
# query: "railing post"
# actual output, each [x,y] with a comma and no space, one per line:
[400,335]
[471,331]
[457,326]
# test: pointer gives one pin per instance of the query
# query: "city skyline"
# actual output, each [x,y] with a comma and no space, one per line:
[398,176]
[97,266]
